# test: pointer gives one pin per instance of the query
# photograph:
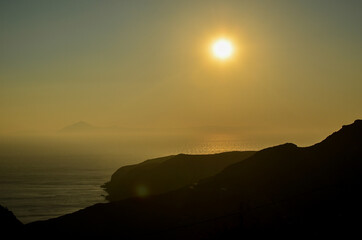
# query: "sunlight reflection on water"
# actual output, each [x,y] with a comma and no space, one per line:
[40,190]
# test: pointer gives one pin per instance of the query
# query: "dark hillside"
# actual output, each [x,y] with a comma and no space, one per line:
[283,190]
[164,174]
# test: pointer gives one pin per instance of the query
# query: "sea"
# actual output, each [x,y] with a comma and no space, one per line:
[41,183]
[40,192]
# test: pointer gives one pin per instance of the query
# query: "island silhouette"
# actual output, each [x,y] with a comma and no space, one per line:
[284,190]
[78,127]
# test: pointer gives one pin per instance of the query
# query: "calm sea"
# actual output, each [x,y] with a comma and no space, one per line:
[39,193]
[50,185]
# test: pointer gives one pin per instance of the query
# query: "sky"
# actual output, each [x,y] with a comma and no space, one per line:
[297,67]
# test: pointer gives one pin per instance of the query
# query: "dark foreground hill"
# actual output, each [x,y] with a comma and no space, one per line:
[164,174]
[283,190]
[9,224]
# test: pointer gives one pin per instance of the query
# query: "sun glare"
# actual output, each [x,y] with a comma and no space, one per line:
[222,49]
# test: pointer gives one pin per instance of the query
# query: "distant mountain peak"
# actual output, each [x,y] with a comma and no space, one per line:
[80,126]
[82,123]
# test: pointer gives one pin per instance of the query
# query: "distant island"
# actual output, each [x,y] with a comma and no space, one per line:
[83,127]
[283,190]
[78,127]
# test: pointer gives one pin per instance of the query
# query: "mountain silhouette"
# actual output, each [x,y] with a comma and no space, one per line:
[283,190]
[79,127]
[164,174]
[9,224]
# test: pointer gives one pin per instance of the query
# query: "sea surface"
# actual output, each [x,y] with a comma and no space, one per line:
[38,186]
[39,193]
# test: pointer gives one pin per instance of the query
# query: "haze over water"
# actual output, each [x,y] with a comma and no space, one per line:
[143,78]
[48,178]
[149,65]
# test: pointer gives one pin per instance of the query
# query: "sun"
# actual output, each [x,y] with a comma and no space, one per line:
[222,49]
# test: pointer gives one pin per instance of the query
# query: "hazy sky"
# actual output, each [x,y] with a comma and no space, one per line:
[298,64]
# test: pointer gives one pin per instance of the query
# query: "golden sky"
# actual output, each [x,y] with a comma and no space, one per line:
[297,65]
